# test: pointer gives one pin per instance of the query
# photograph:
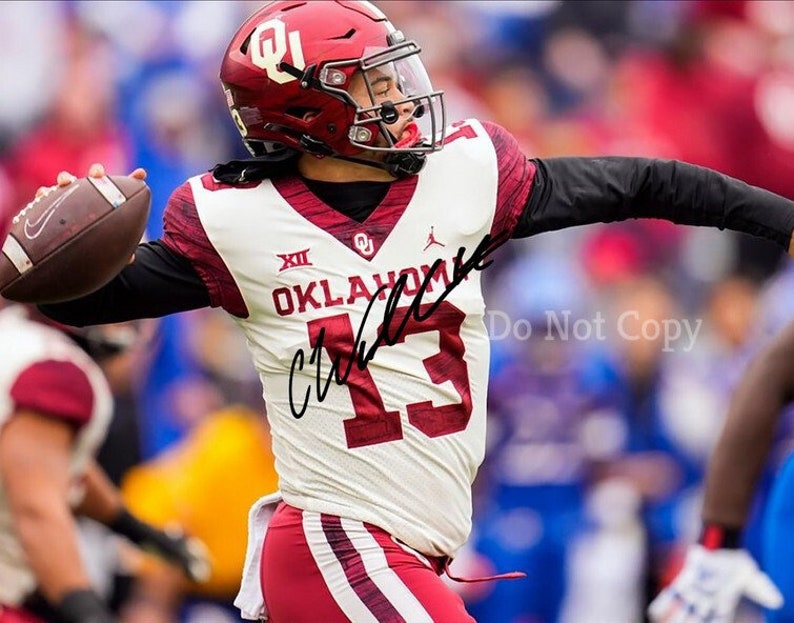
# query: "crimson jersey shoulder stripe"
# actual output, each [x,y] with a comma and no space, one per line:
[516,175]
[55,388]
[184,234]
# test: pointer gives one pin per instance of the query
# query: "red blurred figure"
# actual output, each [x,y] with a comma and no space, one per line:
[79,128]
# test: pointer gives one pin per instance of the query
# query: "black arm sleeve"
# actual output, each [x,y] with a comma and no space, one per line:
[159,282]
[580,191]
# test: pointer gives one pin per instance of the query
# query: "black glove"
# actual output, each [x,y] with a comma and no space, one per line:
[83,606]
[189,553]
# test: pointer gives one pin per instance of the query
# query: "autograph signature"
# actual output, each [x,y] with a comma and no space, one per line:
[392,328]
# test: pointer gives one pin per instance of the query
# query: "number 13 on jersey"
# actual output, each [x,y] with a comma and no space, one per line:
[372,423]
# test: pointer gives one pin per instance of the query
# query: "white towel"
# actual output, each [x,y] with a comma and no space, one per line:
[250,600]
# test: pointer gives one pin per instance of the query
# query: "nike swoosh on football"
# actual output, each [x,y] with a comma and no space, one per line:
[33,229]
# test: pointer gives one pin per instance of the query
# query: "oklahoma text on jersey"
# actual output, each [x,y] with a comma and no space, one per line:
[319,294]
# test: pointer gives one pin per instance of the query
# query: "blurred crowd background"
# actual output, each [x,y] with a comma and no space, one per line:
[597,438]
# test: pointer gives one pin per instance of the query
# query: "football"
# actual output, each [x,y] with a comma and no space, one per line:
[74,239]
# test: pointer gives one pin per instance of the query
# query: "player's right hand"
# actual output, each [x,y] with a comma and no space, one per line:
[95,170]
[710,585]
[65,178]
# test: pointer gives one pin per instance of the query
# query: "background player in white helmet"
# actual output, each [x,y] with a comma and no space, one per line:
[369,342]
[55,405]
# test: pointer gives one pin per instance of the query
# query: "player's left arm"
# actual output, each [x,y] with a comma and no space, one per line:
[567,192]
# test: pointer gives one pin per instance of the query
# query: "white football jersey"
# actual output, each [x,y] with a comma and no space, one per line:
[28,350]
[370,345]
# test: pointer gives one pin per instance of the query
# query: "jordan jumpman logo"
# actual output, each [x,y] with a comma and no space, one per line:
[431,240]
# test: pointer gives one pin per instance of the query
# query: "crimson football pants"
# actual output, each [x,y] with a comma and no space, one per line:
[318,567]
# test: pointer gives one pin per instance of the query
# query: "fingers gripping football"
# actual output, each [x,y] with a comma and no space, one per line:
[65,178]
[98,170]
[74,237]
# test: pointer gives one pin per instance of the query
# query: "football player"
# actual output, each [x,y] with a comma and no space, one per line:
[55,405]
[718,571]
[369,341]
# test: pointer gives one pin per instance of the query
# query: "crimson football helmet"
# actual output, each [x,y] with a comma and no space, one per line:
[289,72]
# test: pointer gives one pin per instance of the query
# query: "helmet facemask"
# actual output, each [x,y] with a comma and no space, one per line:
[398,66]
[392,86]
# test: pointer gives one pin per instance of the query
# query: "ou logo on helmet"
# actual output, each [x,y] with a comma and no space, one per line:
[270,42]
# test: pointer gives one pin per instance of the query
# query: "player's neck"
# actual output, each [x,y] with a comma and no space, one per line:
[335,170]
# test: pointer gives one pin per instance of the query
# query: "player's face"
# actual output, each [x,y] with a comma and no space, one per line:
[378,87]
